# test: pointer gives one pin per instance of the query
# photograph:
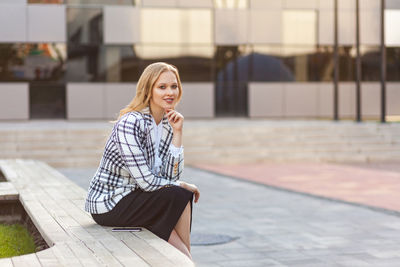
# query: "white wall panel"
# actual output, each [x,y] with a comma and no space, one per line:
[370,100]
[326,4]
[121,25]
[197,100]
[393,99]
[370,5]
[14,101]
[159,3]
[370,27]
[231,26]
[275,4]
[326,27]
[325,100]
[12,23]
[266,26]
[266,99]
[347,98]
[346,27]
[301,99]
[299,27]
[116,97]
[308,4]
[46,23]
[195,3]
[16,2]
[85,100]
[392,4]
[392,32]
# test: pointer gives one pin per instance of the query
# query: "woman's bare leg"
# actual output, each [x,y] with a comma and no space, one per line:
[182,227]
[177,242]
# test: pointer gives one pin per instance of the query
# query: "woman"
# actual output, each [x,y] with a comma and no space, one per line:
[137,182]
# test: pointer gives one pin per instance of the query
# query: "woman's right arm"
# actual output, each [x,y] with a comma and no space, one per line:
[127,140]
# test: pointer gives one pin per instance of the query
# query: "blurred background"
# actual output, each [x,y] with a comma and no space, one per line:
[69,66]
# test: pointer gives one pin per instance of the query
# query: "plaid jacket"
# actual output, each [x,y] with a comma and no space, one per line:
[127,161]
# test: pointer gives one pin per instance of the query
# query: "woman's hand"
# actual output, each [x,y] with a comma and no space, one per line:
[192,188]
[175,119]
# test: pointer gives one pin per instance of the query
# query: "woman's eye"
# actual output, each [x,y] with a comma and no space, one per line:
[174,86]
[162,87]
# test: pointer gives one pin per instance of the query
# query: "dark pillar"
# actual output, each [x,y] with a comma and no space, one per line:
[383,64]
[358,64]
[336,66]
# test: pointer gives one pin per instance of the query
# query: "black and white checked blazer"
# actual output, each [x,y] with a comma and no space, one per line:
[128,159]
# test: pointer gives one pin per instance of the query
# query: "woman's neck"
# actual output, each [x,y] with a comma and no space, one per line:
[157,114]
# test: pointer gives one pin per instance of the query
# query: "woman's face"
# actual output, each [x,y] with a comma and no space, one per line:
[165,92]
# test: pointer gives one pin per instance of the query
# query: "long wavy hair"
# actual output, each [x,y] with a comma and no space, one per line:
[145,85]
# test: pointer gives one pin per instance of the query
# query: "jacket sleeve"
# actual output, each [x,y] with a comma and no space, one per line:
[173,165]
[127,139]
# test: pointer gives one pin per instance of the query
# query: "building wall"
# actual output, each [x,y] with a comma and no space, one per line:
[251,58]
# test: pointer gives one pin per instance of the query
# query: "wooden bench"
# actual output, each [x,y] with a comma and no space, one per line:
[56,207]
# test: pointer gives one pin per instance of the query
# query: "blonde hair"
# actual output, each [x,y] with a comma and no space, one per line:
[144,87]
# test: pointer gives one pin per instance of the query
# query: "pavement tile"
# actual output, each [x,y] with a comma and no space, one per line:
[281,228]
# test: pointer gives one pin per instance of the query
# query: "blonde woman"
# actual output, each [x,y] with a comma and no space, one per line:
[137,182]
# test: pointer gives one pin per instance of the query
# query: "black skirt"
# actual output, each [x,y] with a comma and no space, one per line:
[157,211]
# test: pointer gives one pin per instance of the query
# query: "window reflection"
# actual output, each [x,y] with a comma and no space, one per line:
[370,63]
[302,62]
[47,100]
[104,2]
[393,64]
[46,1]
[267,65]
[85,63]
[39,62]
[194,62]
[85,25]
[347,63]
[232,73]
[176,26]
[123,64]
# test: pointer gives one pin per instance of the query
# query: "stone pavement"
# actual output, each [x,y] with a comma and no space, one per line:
[282,228]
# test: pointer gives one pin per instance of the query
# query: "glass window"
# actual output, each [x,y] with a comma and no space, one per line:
[47,100]
[370,63]
[176,26]
[193,62]
[85,25]
[232,66]
[123,64]
[46,1]
[302,62]
[267,65]
[347,62]
[299,27]
[103,2]
[392,32]
[231,4]
[86,63]
[32,62]
[393,64]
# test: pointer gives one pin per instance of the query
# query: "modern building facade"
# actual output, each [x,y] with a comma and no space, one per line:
[81,59]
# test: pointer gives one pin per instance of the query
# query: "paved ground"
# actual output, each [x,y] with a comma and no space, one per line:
[283,228]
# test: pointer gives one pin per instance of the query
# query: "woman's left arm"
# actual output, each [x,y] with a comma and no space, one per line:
[176,121]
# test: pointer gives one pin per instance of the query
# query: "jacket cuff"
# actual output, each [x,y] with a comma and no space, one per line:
[175,151]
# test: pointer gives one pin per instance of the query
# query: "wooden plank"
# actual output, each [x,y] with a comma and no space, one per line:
[65,255]
[26,260]
[47,258]
[8,191]
[6,262]
[164,248]
[143,249]
[84,255]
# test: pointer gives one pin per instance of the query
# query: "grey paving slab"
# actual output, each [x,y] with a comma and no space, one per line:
[279,228]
